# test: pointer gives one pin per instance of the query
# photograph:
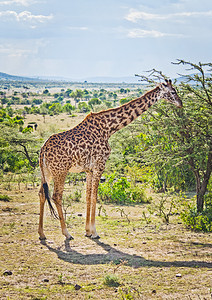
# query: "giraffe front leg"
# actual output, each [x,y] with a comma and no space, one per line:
[88,203]
[95,183]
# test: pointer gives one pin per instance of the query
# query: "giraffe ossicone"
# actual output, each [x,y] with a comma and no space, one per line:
[85,148]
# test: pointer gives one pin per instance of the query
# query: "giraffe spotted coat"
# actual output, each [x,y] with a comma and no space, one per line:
[85,148]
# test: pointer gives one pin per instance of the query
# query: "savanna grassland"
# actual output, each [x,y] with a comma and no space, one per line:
[146,250]
[132,260]
[135,258]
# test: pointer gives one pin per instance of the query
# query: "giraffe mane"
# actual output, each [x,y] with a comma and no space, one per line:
[116,108]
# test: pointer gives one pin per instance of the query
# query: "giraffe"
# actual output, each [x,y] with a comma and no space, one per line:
[85,148]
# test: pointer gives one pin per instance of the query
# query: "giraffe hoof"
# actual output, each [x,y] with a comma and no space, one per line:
[69,238]
[95,237]
[42,238]
[92,236]
[88,235]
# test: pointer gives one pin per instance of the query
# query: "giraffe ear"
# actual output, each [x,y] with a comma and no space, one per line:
[161,85]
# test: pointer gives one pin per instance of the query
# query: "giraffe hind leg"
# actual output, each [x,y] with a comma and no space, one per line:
[57,198]
[42,202]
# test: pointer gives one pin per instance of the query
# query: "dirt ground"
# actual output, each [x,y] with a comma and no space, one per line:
[132,260]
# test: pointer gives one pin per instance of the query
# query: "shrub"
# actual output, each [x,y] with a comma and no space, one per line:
[37,101]
[120,191]
[111,280]
[4,198]
[199,221]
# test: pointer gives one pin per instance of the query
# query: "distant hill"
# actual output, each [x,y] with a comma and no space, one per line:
[99,79]
[130,79]
[4,76]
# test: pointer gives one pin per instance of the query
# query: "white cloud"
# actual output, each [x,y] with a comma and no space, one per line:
[141,33]
[18,2]
[24,16]
[135,15]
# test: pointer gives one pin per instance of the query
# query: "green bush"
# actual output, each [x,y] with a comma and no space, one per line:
[199,221]
[4,198]
[120,191]
[111,280]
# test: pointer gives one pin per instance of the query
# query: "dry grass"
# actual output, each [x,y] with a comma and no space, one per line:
[55,123]
[145,259]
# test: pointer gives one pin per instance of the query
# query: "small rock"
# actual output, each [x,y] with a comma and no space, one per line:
[115,244]
[77,287]
[153,291]
[46,280]
[178,275]
[79,215]
[7,272]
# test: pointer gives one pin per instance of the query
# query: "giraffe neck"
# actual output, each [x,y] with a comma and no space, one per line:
[113,120]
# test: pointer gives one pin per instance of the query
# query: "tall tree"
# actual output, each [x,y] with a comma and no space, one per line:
[184,136]
[77,95]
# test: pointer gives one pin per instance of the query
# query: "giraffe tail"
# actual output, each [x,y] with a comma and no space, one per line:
[47,196]
[44,172]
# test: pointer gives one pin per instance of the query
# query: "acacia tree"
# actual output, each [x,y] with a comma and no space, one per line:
[17,143]
[77,95]
[184,136]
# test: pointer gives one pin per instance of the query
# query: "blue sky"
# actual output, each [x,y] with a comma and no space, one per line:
[87,38]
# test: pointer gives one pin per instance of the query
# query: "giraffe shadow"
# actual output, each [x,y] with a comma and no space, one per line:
[113,255]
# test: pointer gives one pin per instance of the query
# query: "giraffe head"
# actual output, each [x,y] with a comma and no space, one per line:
[168,92]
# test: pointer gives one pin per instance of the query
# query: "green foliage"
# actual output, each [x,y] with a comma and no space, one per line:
[199,221]
[179,137]
[120,191]
[166,205]
[67,93]
[27,130]
[123,144]
[77,95]
[4,198]
[124,100]
[7,119]
[111,280]
[75,178]
[37,101]
[94,101]
[68,108]
[108,104]
[60,279]
[83,107]
[55,108]
[18,149]
[46,92]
